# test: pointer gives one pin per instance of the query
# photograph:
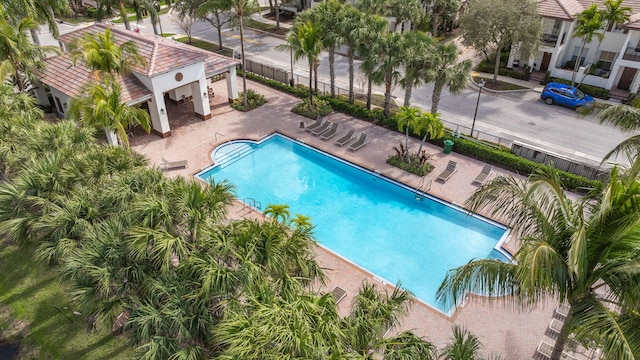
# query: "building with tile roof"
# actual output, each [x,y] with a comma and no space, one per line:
[171,68]
[611,64]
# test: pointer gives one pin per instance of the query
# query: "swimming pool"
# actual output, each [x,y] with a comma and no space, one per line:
[362,216]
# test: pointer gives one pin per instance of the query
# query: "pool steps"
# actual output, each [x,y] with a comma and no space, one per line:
[239,151]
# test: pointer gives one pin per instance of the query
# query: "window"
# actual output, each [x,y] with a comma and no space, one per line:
[576,51]
[606,60]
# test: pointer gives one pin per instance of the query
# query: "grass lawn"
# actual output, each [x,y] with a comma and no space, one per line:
[30,296]
[205,45]
[250,23]
[500,85]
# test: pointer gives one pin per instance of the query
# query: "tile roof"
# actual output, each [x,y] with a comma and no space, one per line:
[161,54]
[568,9]
[61,74]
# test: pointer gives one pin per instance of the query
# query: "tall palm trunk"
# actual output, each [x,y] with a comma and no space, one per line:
[316,65]
[351,55]
[310,81]
[387,93]
[576,66]
[244,72]
[332,70]
[369,91]
[407,92]
[277,15]
[563,336]
[435,97]
[125,16]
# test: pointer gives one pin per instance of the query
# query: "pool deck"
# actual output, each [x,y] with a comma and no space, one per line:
[502,329]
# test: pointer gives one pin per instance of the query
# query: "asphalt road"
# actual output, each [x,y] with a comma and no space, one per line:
[518,116]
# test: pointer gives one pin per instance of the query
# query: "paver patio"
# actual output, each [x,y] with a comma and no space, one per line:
[504,330]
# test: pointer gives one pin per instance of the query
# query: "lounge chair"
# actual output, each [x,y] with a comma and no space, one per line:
[484,174]
[346,138]
[172,165]
[338,293]
[333,130]
[315,125]
[545,349]
[556,326]
[362,141]
[563,310]
[452,167]
[322,128]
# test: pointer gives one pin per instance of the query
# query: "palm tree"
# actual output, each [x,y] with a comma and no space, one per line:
[406,10]
[417,47]
[626,118]
[463,346]
[439,8]
[588,24]
[406,118]
[329,15]
[353,29]
[100,107]
[430,125]
[444,70]
[614,13]
[100,53]
[389,52]
[278,212]
[42,11]
[375,27]
[372,314]
[19,58]
[241,8]
[305,40]
[408,346]
[307,327]
[583,252]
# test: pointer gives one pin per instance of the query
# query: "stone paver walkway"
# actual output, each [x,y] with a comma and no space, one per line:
[504,330]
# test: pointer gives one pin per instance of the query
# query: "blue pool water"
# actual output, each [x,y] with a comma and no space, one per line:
[371,221]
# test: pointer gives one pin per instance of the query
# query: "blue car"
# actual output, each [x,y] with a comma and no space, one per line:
[561,94]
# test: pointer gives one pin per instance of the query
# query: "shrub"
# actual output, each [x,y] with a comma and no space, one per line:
[414,168]
[319,107]
[253,101]
[92,13]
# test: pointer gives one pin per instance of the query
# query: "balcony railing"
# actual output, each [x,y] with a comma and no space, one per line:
[549,39]
[632,53]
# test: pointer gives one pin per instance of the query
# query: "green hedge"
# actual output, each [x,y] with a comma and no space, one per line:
[489,154]
[594,91]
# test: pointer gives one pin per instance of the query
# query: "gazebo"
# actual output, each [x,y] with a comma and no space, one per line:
[181,71]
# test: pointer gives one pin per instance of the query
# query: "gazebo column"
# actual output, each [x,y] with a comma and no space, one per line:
[159,118]
[41,94]
[200,96]
[232,84]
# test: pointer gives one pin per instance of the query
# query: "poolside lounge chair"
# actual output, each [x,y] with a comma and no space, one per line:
[333,130]
[346,138]
[339,293]
[484,174]
[545,349]
[172,165]
[452,167]
[317,124]
[555,326]
[362,141]
[562,311]
[322,128]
